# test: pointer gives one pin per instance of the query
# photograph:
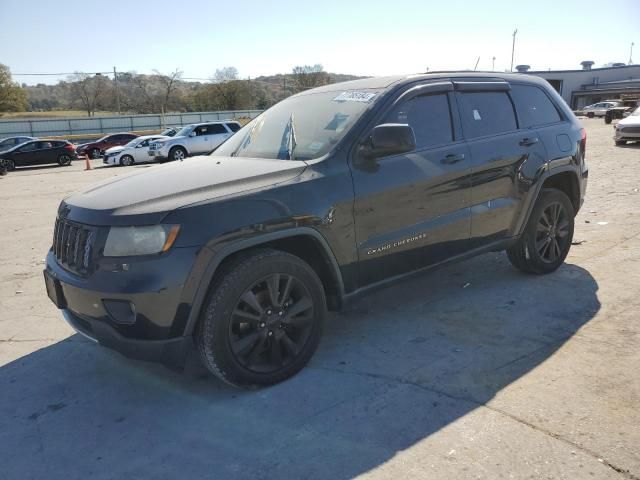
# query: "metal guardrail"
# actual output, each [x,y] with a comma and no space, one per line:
[122,123]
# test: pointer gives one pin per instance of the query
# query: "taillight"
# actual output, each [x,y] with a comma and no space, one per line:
[583,141]
[69,147]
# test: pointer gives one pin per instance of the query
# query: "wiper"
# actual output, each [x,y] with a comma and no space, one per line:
[246,141]
[291,141]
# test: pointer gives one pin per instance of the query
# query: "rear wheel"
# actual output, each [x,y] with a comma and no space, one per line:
[263,319]
[64,160]
[590,115]
[177,153]
[126,161]
[547,237]
[94,153]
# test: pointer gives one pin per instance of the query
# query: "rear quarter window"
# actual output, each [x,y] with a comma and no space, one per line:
[486,113]
[234,127]
[533,106]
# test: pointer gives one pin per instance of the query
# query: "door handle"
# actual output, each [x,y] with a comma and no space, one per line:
[527,142]
[452,158]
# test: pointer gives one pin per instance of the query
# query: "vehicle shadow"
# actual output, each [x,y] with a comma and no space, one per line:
[391,371]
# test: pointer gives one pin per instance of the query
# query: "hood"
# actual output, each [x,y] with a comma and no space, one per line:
[114,150]
[153,192]
[630,120]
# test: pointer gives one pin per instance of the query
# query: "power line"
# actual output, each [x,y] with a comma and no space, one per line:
[59,74]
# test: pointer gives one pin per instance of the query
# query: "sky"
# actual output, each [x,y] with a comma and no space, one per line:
[373,37]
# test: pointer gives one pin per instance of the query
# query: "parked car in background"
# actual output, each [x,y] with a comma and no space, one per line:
[628,129]
[193,139]
[600,109]
[171,131]
[137,150]
[39,152]
[10,142]
[96,149]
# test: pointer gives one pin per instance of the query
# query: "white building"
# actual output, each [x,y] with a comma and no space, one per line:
[590,85]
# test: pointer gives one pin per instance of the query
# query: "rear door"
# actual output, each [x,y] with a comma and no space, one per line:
[218,133]
[502,155]
[46,152]
[412,210]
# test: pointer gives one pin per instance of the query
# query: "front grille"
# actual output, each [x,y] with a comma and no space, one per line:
[630,129]
[73,245]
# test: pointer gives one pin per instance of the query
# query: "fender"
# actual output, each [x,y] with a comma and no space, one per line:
[224,252]
[545,173]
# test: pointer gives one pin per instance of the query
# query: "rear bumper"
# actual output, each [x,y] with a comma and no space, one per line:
[171,352]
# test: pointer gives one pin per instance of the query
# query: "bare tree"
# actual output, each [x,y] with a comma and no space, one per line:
[309,76]
[169,86]
[88,89]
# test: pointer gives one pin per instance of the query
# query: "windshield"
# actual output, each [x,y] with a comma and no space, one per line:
[133,142]
[300,128]
[636,112]
[184,131]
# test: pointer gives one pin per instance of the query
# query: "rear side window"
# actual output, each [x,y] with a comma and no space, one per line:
[486,113]
[533,106]
[428,115]
[216,128]
[234,127]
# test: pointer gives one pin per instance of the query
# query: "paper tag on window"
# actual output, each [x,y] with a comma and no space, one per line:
[354,97]
[476,115]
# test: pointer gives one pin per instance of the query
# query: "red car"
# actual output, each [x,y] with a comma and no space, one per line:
[97,148]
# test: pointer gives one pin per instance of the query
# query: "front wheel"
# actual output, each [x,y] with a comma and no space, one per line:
[64,160]
[621,142]
[177,153]
[263,319]
[94,153]
[126,161]
[546,239]
[9,164]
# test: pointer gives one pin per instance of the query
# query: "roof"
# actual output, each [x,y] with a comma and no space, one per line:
[387,82]
[580,70]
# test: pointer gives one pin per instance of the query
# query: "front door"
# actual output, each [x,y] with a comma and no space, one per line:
[26,154]
[412,210]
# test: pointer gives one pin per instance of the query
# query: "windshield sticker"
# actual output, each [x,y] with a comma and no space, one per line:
[364,97]
[476,115]
[315,147]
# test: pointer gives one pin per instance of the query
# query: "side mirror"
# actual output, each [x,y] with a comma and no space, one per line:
[192,134]
[391,139]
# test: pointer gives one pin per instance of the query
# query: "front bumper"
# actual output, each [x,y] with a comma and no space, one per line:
[172,352]
[139,308]
[628,133]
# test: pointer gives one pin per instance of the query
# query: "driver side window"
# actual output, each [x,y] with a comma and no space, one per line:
[428,115]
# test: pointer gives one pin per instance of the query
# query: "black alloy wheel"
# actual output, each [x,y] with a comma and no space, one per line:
[271,323]
[552,233]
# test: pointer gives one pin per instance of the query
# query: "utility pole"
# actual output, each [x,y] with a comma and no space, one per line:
[115,81]
[513,47]
[284,85]
[493,64]
[631,54]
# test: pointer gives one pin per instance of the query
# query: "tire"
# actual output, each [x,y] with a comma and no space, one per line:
[127,160]
[546,240]
[250,336]
[590,115]
[9,165]
[620,142]
[64,160]
[177,153]
[94,153]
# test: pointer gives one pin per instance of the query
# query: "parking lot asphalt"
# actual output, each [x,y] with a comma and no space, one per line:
[470,371]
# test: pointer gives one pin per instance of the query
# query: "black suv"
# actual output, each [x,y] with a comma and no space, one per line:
[236,256]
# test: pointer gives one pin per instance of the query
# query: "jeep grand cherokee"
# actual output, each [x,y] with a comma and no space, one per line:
[237,256]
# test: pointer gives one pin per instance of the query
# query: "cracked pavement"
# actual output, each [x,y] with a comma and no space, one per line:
[513,376]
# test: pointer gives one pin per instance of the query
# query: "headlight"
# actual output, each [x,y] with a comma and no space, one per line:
[146,240]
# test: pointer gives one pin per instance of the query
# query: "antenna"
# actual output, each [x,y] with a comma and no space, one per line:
[513,47]
[476,67]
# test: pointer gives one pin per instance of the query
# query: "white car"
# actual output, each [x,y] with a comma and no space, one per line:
[628,129]
[196,139]
[137,150]
[599,109]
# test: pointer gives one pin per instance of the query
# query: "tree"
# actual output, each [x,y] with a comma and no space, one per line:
[13,98]
[88,90]
[309,76]
[169,83]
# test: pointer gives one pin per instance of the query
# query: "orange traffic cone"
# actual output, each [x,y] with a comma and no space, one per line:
[87,164]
